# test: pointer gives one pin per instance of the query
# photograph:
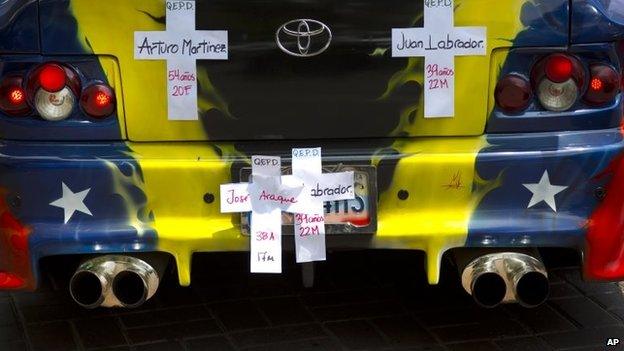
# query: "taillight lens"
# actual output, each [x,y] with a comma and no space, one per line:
[13,98]
[513,93]
[604,85]
[557,96]
[98,100]
[557,80]
[52,78]
[54,106]
[54,87]
[558,68]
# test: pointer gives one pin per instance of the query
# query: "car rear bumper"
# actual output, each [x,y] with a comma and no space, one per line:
[434,194]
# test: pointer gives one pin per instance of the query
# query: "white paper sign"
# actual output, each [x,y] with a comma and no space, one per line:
[301,193]
[266,216]
[310,218]
[310,221]
[439,42]
[235,198]
[181,45]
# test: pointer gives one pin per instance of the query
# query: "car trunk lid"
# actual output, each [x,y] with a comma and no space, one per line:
[353,89]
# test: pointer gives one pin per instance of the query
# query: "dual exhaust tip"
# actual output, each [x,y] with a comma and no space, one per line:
[114,281]
[506,277]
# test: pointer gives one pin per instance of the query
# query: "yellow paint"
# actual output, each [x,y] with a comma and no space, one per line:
[438,174]
[176,178]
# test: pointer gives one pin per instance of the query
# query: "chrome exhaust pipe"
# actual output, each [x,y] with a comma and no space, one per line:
[506,277]
[135,283]
[528,280]
[483,280]
[89,286]
[115,281]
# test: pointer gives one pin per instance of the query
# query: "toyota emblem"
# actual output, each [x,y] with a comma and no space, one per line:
[303,37]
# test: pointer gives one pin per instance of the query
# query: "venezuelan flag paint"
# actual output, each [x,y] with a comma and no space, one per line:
[442,183]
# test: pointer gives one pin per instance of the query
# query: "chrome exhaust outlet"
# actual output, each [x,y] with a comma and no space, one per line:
[89,286]
[506,277]
[483,280]
[528,280]
[135,283]
[115,281]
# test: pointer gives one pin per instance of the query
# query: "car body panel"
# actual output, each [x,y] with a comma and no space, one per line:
[464,191]
[442,183]
[19,26]
[595,21]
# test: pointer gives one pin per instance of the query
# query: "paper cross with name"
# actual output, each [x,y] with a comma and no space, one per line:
[301,193]
[439,42]
[181,45]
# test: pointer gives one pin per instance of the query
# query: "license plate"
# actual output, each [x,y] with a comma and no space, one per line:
[358,215]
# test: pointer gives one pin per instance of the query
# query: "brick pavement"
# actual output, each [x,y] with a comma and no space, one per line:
[361,300]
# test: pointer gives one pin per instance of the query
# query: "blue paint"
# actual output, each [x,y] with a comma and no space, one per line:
[546,23]
[572,159]
[597,21]
[34,172]
[19,26]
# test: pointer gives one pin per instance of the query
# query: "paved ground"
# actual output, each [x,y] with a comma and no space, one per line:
[362,300]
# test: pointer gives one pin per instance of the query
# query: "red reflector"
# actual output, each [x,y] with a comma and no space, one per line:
[13,97]
[16,95]
[102,99]
[558,68]
[595,84]
[10,281]
[98,100]
[513,93]
[52,78]
[604,85]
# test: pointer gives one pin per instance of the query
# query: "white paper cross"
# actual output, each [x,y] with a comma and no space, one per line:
[301,193]
[181,45]
[439,42]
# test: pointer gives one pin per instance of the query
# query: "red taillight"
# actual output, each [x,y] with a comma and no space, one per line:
[52,77]
[557,80]
[54,88]
[558,68]
[604,85]
[13,97]
[513,93]
[98,100]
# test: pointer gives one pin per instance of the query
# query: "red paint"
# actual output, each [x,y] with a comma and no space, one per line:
[604,251]
[10,281]
[15,268]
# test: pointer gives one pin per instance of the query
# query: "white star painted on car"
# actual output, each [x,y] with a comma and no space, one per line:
[71,202]
[544,191]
